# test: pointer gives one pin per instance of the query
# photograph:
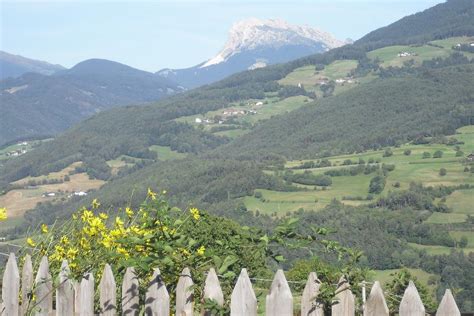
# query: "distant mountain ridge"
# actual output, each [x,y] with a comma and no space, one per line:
[37,105]
[12,66]
[252,44]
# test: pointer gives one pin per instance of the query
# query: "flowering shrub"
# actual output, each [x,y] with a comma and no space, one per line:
[153,235]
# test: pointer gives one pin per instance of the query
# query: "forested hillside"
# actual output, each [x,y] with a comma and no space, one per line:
[380,113]
[36,105]
[453,18]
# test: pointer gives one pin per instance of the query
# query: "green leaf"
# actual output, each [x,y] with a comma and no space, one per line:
[228,261]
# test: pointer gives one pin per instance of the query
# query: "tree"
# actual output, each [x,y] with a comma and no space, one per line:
[442,172]
[407,152]
[377,184]
[463,242]
[426,155]
[388,152]
[438,154]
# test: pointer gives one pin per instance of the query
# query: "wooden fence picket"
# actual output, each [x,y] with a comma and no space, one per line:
[448,305]
[108,292]
[309,306]
[184,294]
[376,304]
[86,307]
[243,301]
[43,289]
[279,300]
[411,304]
[130,298]
[65,292]
[27,279]
[11,287]
[345,305]
[212,288]
[157,300]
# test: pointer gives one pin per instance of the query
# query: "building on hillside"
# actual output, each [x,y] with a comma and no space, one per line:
[470,157]
[197,120]
[406,54]
[79,193]
[233,112]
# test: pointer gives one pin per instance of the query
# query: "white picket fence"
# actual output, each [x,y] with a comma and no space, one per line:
[78,298]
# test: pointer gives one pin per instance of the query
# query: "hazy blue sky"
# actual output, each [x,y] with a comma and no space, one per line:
[151,35]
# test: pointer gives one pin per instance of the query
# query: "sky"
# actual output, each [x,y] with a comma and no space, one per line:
[152,35]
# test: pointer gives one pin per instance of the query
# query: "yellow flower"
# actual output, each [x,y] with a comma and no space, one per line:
[195,213]
[95,203]
[3,213]
[84,244]
[129,211]
[123,251]
[30,242]
[64,240]
[118,222]
[87,215]
[164,192]
[201,250]
[151,194]
[72,253]
[103,216]
[44,228]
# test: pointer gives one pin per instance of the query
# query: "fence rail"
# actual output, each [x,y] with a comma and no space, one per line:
[77,298]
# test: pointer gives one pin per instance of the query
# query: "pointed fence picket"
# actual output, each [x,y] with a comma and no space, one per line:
[77,298]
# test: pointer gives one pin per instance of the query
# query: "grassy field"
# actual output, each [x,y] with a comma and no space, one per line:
[310,78]
[272,106]
[408,168]
[384,276]
[442,48]
[165,153]
[18,201]
[446,218]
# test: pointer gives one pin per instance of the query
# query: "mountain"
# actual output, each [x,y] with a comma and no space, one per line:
[35,105]
[12,66]
[252,44]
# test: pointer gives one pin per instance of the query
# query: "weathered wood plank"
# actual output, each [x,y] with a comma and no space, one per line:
[448,306]
[43,289]
[376,304]
[243,300]
[309,306]
[27,279]
[86,307]
[411,304]
[11,287]
[184,294]
[279,301]
[65,292]
[108,292]
[345,305]
[212,289]
[157,301]
[77,297]
[130,298]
